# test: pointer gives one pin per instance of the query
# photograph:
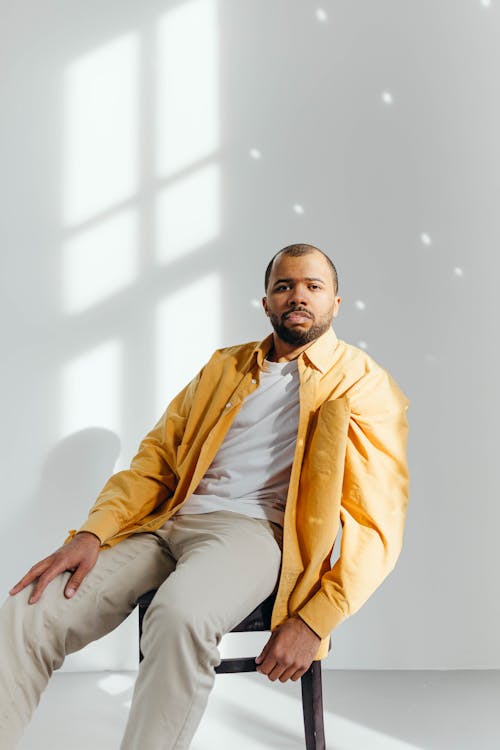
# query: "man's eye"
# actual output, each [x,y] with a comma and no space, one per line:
[282,287]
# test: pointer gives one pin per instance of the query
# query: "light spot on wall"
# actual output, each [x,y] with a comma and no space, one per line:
[187,213]
[188,329]
[187,119]
[100,157]
[99,262]
[91,389]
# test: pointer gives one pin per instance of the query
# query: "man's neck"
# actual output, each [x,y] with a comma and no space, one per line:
[281,351]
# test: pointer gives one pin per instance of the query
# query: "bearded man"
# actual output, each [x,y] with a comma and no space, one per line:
[238,491]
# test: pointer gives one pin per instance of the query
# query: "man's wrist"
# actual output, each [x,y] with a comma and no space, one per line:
[88,533]
[298,617]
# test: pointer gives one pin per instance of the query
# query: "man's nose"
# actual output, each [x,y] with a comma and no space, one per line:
[298,296]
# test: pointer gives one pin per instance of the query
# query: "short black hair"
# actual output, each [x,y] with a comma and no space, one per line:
[301,249]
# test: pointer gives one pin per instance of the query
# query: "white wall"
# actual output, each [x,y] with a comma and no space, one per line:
[154,156]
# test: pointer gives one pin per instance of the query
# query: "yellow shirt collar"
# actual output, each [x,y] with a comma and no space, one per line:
[319,354]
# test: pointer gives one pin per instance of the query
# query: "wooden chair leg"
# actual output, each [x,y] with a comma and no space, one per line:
[312,707]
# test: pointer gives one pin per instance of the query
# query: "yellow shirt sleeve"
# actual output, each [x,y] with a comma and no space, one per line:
[375,494]
[133,493]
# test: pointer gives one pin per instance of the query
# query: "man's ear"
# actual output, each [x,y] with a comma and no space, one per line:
[264,305]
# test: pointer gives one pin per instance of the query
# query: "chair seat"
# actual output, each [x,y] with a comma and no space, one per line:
[259,619]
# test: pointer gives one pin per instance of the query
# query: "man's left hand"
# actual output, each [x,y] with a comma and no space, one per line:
[289,652]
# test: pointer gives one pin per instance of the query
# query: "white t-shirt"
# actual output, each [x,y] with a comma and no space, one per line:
[251,471]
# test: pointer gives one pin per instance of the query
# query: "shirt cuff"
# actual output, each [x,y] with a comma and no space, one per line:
[321,615]
[103,525]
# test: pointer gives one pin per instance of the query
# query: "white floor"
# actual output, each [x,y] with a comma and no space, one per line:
[364,710]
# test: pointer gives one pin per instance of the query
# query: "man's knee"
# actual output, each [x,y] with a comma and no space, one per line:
[177,618]
[33,629]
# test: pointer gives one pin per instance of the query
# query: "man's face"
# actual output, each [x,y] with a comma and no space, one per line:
[300,301]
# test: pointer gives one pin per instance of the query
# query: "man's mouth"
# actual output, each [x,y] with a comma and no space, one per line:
[297,316]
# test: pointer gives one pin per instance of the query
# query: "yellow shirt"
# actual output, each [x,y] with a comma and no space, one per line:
[350,468]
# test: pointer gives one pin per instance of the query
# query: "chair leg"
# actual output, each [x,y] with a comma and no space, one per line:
[142,611]
[312,707]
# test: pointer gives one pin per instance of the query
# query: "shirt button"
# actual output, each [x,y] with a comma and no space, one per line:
[254,381]
[300,442]
[228,405]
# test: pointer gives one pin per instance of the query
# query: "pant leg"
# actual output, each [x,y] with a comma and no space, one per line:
[34,639]
[227,564]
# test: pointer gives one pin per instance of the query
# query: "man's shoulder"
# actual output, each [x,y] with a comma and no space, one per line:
[366,381]
[355,360]
[238,351]
[246,346]
[237,355]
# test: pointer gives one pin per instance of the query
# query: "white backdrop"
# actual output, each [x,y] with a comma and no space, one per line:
[154,156]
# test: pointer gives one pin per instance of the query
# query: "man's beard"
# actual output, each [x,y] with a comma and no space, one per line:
[297,337]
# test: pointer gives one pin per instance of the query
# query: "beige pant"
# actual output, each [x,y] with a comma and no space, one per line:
[212,569]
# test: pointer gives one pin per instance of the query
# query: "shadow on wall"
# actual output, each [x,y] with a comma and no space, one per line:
[72,475]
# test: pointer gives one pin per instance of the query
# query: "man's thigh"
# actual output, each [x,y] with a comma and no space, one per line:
[227,564]
[105,598]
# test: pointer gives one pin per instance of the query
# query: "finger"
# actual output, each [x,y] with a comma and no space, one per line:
[298,674]
[272,667]
[263,654]
[276,672]
[267,665]
[261,657]
[75,581]
[287,673]
[30,576]
[22,584]
[44,581]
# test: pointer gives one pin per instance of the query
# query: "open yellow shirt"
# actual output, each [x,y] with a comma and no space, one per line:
[350,468]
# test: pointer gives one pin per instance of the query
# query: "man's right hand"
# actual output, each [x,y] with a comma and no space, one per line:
[79,555]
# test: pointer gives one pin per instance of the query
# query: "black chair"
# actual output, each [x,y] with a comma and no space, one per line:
[312,693]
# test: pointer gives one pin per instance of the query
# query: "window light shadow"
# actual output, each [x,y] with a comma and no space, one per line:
[91,389]
[187,121]
[187,213]
[192,314]
[100,261]
[100,154]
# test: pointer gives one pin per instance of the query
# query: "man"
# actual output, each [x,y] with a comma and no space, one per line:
[238,490]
